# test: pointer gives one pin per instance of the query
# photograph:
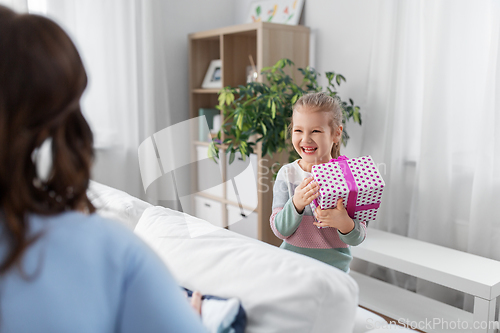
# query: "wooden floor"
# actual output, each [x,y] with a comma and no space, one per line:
[388,319]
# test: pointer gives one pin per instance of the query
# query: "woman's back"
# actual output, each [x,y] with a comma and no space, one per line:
[88,274]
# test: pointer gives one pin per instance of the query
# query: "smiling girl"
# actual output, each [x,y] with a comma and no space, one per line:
[316,133]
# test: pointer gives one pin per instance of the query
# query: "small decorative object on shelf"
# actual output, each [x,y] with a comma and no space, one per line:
[252,73]
[213,77]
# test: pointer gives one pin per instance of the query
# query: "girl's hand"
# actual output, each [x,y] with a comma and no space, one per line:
[305,193]
[335,217]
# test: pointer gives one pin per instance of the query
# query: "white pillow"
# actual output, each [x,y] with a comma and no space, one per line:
[115,204]
[281,291]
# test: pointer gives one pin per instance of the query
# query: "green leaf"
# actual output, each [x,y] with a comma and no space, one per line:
[356,115]
[231,157]
[239,121]
[264,128]
[213,151]
[243,149]
[222,98]
[329,76]
[295,98]
[273,110]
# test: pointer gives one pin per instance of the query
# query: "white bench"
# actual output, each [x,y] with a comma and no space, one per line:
[471,274]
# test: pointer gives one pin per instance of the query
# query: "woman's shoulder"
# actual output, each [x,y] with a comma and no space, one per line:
[89,233]
[72,221]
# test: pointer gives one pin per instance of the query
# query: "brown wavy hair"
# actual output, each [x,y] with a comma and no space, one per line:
[41,81]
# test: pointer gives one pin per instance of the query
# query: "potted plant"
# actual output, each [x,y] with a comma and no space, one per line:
[261,112]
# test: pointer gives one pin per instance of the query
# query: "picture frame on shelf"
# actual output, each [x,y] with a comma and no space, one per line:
[213,77]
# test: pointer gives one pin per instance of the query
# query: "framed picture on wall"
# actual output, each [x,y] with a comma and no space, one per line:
[213,77]
[276,11]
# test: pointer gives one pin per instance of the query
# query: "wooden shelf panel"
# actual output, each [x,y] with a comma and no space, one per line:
[247,27]
[205,143]
[225,201]
[206,91]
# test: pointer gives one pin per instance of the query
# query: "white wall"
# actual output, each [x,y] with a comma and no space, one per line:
[178,19]
[182,18]
[342,34]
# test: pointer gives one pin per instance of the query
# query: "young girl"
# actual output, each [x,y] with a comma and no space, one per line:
[316,133]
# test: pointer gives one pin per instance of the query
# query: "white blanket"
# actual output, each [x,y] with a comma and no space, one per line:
[281,291]
[116,205]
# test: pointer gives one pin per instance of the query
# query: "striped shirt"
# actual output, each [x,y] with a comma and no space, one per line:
[298,232]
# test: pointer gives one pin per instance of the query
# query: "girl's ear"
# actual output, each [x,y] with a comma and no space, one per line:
[337,134]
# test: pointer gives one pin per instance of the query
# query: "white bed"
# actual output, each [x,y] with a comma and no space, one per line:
[280,291]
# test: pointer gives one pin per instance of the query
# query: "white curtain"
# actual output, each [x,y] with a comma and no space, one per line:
[122,44]
[19,6]
[434,107]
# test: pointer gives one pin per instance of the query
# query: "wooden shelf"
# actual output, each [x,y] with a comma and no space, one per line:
[266,43]
[206,91]
[228,202]
[204,143]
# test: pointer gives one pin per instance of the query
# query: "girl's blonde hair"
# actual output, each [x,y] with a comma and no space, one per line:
[321,102]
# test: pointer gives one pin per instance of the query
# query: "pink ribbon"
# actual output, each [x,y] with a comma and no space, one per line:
[351,185]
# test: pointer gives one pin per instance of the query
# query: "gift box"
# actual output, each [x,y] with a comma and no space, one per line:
[357,181]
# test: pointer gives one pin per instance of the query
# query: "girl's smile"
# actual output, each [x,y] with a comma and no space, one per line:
[309,150]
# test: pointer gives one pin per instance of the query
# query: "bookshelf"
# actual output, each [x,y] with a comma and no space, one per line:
[241,196]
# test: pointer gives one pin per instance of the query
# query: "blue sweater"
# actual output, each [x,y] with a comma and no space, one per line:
[89,274]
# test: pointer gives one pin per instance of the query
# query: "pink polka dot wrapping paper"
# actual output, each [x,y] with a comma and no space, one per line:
[357,181]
